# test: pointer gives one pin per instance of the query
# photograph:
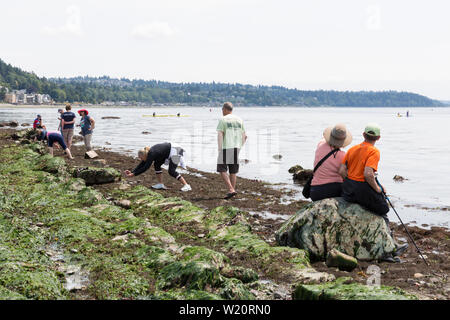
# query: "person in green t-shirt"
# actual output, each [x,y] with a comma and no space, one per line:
[230,139]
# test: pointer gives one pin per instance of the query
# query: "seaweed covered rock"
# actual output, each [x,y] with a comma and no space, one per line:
[51,164]
[300,175]
[344,289]
[336,224]
[97,175]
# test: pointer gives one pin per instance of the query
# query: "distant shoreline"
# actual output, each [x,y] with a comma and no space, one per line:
[62,105]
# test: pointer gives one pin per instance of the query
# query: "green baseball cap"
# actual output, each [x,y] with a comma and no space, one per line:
[372,129]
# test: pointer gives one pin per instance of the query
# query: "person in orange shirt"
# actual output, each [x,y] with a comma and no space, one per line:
[358,169]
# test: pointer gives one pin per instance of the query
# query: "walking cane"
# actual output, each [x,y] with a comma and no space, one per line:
[410,237]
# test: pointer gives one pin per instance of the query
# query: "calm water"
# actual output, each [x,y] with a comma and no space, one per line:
[415,147]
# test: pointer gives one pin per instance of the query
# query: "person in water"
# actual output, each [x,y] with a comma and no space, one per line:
[162,153]
[53,137]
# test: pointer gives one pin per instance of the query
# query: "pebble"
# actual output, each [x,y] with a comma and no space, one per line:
[418,275]
[201,235]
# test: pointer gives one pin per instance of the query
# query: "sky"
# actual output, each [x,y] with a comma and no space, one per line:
[308,45]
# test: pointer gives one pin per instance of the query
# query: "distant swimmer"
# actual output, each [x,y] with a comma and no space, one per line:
[162,153]
[407,113]
[154,114]
[178,114]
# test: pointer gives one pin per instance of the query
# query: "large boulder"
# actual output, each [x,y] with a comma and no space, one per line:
[93,175]
[336,224]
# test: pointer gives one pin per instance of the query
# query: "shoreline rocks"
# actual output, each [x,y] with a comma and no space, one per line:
[300,175]
[336,224]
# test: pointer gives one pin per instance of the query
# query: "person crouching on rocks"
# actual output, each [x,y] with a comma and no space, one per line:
[162,153]
[53,137]
[327,182]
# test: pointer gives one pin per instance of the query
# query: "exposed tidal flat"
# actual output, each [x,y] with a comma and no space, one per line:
[410,147]
[61,239]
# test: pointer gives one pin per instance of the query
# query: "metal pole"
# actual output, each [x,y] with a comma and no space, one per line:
[412,240]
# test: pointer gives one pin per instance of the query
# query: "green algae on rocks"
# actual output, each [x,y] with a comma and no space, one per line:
[149,251]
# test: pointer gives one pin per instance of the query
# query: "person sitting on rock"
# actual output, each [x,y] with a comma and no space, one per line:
[163,153]
[358,169]
[327,182]
[53,137]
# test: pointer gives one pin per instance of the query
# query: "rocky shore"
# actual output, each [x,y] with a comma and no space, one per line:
[62,237]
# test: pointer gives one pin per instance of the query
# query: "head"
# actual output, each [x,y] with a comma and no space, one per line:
[142,154]
[371,133]
[227,108]
[68,107]
[39,116]
[338,136]
[83,112]
[60,110]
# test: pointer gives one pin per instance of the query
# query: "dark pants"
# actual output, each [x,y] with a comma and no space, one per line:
[228,160]
[323,191]
[363,194]
[56,137]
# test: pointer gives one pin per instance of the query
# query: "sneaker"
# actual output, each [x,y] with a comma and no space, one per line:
[159,186]
[186,187]
[390,258]
[400,249]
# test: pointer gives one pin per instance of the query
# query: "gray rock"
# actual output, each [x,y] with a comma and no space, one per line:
[336,224]
[13,124]
[110,117]
[340,260]
[25,124]
[295,169]
[302,176]
[99,162]
[126,204]
[277,156]
[93,175]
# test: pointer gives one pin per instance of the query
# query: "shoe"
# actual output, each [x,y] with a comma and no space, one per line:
[390,258]
[159,186]
[186,187]
[400,249]
[230,195]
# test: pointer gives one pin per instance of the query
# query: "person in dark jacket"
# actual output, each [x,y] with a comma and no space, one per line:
[162,153]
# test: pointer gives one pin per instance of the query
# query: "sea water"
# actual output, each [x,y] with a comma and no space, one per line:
[415,147]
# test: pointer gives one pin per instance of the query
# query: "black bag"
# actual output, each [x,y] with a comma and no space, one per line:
[307,188]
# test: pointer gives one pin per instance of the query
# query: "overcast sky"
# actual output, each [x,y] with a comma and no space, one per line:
[322,44]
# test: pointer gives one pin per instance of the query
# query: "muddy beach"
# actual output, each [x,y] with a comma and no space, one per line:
[270,207]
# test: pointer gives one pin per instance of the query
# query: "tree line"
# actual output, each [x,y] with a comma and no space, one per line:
[97,90]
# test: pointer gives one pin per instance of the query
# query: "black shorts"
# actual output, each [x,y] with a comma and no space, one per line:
[228,160]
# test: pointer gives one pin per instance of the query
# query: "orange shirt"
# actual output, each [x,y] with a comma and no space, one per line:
[358,157]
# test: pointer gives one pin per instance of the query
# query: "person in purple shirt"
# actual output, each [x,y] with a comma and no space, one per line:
[53,137]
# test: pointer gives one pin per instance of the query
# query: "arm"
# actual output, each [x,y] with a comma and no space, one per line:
[143,166]
[369,175]
[343,171]
[244,137]
[92,123]
[220,139]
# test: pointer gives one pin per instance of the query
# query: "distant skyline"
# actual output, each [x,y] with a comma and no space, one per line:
[331,45]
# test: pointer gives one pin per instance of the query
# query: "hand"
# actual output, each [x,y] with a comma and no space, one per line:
[129,173]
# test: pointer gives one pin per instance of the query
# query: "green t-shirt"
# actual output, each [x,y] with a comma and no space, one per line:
[233,129]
